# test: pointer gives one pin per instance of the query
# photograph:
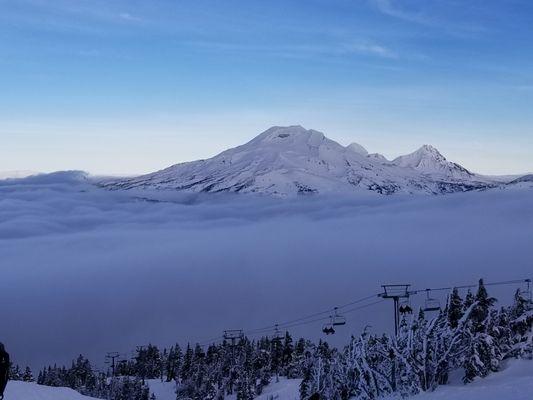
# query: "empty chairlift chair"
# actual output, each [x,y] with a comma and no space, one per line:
[431,304]
[277,335]
[337,319]
[526,293]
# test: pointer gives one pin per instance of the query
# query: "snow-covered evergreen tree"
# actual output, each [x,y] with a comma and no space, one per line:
[28,375]
[470,334]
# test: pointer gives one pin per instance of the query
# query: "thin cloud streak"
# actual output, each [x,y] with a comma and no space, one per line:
[386,7]
[361,48]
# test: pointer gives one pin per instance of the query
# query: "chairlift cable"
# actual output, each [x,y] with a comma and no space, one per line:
[283,324]
[511,282]
[308,319]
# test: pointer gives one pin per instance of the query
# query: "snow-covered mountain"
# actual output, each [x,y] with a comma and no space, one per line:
[523,182]
[287,161]
[429,161]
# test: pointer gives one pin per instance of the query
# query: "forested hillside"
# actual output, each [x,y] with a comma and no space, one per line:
[469,334]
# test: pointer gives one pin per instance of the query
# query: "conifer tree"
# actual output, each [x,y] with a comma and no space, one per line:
[28,375]
[454,308]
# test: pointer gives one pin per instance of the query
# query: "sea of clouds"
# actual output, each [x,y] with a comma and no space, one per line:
[83,269]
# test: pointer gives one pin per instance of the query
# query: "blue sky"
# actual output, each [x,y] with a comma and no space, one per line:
[134,86]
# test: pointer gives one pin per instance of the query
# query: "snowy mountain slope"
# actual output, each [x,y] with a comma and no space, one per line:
[428,160]
[380,158]
[523,179]
[16,390]
[287,161]
[357,148]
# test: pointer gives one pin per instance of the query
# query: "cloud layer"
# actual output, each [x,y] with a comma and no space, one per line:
[89,270]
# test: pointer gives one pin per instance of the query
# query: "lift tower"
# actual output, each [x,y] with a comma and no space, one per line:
[396,292]
[110,358]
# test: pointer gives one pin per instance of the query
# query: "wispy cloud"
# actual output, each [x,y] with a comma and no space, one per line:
[373,49]
[397,9]
[129,17]
[388,8]
[335,49]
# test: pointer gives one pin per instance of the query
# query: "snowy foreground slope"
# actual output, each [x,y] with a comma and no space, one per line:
[32,391]
[513,383]
[285,389]
[287,161]
[282,390]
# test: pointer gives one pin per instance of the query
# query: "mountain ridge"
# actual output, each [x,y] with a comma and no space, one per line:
[288,161]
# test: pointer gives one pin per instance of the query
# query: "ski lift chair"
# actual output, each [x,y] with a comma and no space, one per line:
[328,329]
[431,304]
[337,319]
[405,307]
[526,293]
[277,335]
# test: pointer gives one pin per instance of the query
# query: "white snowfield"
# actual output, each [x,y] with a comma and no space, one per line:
[513,383]
[32,391]
[287,161]
[285,389]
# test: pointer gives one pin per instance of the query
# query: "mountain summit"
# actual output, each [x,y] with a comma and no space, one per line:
[428,160]
[287,161]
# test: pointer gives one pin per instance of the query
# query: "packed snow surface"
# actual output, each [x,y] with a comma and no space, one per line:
[285,389]
[162,390]
[513,383]
[32,391]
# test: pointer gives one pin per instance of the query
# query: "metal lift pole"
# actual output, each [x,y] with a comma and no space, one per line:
[110,359]
[396,315]
[396,292]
